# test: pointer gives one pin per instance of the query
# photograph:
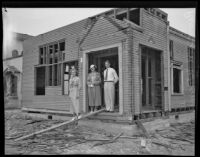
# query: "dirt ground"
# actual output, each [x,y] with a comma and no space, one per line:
[178,139]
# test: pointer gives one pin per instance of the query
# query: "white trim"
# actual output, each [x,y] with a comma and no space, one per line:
[172,79]
[85,69]
[169,68]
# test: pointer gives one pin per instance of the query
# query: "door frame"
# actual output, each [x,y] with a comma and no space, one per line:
[85,74]
[141,46]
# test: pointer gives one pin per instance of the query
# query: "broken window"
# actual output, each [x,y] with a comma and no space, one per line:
[177,80]
[171,49]
[52,55]
[135,16]
[191,65]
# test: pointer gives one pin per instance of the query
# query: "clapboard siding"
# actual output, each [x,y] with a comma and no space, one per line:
[155,29]
[105,33]
[181,55]
[70,34]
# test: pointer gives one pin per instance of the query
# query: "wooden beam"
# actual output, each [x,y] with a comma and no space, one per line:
[141,126]
[59,125]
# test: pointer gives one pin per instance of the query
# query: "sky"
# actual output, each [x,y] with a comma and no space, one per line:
[35,21]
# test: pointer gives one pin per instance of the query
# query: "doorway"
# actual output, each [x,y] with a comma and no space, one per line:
[98,58]
[151,79]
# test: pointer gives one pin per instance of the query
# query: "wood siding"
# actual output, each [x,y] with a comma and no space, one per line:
[181,55]
[153,34]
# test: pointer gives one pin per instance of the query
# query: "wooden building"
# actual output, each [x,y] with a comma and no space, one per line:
[139,44]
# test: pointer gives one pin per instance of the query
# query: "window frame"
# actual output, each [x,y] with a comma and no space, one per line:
[191,66]
[179,67]
[44,60]
[171,49]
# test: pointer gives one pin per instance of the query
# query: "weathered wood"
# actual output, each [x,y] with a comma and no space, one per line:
[59,125]
[140,125]
[110,141]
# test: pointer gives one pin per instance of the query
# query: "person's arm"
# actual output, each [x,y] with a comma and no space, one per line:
[79,87]
[98,79]
[89,80]
[116,78]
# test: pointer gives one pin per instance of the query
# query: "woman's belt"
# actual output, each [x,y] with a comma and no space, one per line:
[108,81]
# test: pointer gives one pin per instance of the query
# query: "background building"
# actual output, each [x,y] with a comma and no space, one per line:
[12,69]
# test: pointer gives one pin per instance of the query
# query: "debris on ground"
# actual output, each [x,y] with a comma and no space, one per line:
[178,139]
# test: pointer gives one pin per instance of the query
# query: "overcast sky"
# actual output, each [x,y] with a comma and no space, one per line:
[35,21]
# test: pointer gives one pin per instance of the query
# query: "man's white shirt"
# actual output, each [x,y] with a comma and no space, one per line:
[112,75]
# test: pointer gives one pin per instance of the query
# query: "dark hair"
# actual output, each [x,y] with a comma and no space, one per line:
[107,61]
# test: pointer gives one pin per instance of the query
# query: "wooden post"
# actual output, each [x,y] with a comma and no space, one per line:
[59,125]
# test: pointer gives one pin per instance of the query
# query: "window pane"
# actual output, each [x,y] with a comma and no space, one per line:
[50,75]
[62,46]
[55,75]
[56,58]
[41,56]
[59,74]
[135,16]
[45,53]
[177,80]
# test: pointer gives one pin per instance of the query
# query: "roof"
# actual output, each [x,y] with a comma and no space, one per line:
[21,36]
[117,23]
[181,34]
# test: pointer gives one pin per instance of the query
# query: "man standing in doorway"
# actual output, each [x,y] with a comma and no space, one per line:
[110,79]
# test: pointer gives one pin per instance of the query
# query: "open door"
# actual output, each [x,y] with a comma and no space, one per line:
[98,58]
[151,79]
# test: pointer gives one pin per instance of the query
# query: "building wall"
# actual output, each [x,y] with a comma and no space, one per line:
[154,35]
[17,62]
[53,98]
[181,55]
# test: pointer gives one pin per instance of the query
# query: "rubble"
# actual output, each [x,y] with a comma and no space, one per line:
[177,139]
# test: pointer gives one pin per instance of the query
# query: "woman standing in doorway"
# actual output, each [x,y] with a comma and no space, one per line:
[94,90]
[74,89]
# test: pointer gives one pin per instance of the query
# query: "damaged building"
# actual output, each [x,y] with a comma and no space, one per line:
[12,68]
[154,62]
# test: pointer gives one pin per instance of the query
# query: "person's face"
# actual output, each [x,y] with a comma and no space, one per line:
[92,69]
[107,65]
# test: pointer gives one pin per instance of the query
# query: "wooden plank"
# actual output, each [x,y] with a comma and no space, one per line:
[141,126]
[59,125]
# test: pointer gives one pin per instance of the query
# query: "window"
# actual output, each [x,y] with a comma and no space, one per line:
[40,80]
[52,56]
[13,88]
[171,49]
[191,65]
[67,66]
[177,83]
[15,53]
[121,16]
[135,16]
